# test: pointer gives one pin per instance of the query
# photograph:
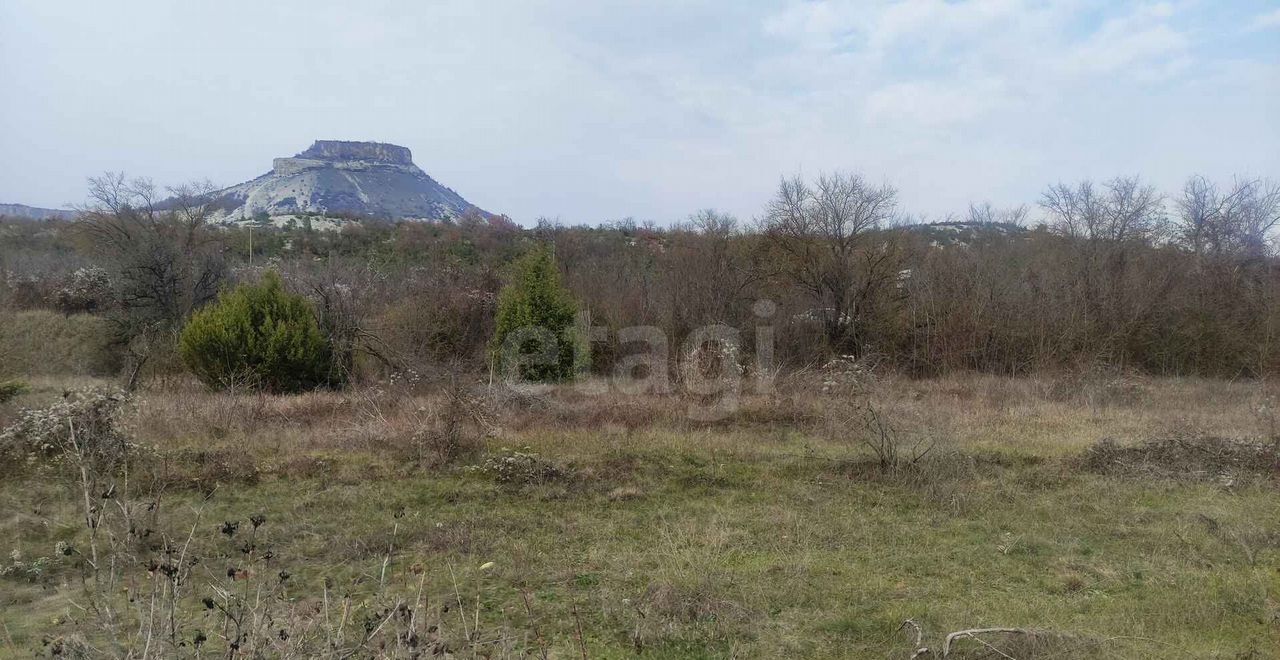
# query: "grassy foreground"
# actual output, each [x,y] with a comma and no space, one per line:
[612,526]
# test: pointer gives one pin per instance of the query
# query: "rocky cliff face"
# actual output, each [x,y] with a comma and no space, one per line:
[335,177]
[374,152]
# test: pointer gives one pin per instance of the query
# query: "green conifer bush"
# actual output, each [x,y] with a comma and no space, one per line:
[258,335]
[536,303]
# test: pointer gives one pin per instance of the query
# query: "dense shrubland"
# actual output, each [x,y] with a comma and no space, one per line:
[1112,275]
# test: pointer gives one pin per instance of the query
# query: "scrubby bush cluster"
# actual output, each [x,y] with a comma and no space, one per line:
[86,290]
[82,427]
[452,431]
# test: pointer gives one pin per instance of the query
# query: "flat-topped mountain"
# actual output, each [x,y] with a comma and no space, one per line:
[334,177]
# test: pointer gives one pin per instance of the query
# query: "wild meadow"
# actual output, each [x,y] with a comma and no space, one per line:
[1101,516]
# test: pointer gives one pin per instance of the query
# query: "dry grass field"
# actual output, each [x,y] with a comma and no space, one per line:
[1101,516]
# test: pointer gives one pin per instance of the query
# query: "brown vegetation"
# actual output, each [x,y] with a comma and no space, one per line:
[1117,277]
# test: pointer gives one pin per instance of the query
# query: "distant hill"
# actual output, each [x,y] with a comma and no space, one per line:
[34,212]
[944,234]
[354,179]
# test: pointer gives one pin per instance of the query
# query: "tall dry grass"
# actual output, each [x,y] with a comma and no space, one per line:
[1049,415]
[46,343]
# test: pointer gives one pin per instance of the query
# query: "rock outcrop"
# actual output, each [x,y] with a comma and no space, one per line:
[333,177]
[374,152]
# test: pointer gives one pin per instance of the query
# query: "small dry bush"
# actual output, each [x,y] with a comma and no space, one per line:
[902,449]
[864,424]
[423,431]
[452,431]
[83,426]
[691,603]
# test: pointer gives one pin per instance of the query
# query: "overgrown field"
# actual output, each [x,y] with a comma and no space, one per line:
[1105,517]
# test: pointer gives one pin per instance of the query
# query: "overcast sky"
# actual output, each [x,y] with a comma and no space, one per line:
[595,110]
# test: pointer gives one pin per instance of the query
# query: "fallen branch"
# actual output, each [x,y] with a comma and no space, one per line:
[973,634]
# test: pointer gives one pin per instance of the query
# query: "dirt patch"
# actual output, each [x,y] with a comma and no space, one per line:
[1187,457]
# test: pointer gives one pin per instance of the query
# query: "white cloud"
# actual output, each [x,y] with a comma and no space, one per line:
[938,63]
[1142,42]
[934,104]
[935,22]
[649,109]
[1266,21]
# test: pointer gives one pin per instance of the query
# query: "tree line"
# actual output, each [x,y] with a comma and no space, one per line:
[1113,274]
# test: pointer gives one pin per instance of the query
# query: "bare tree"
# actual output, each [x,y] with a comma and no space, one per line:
[1230,232]
[826,234]
[1237,222]
[711,272]
[1109,228]
[1122,210]
[168,261]
[988,214]
[344,294]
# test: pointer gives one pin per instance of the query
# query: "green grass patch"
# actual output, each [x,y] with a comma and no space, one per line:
[754,551]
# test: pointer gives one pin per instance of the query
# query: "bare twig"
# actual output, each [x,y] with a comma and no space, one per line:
[533,624]
[462,614]
[386,559]
[973,633]
[577,624]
